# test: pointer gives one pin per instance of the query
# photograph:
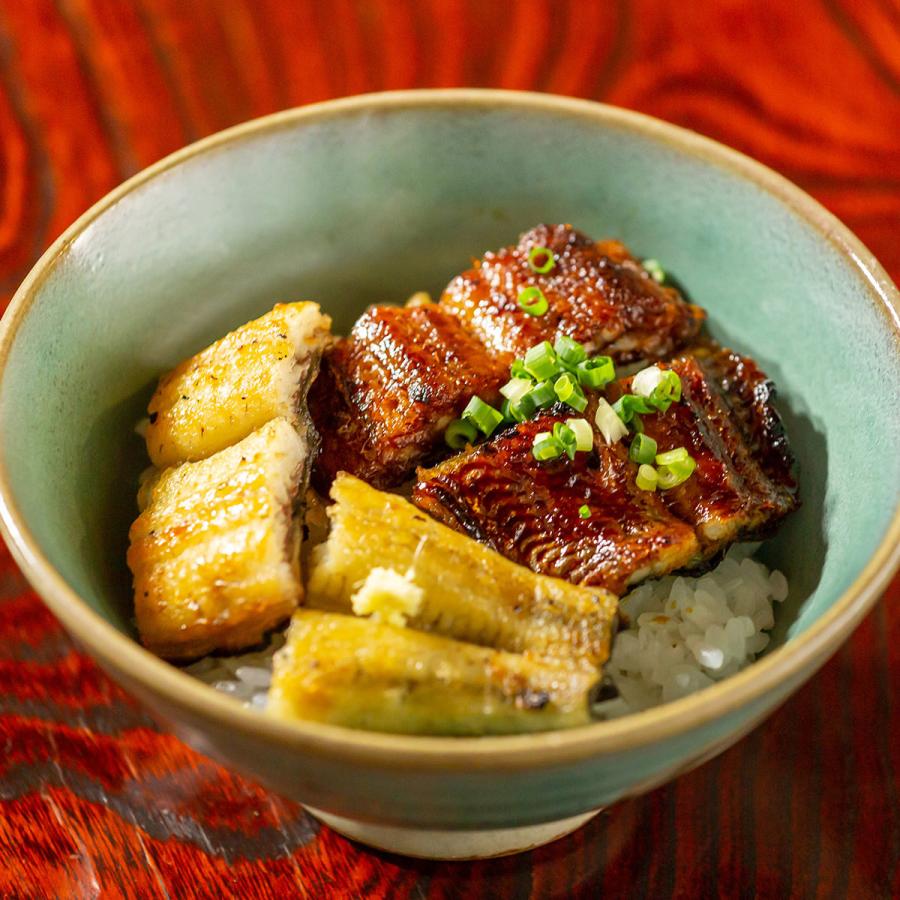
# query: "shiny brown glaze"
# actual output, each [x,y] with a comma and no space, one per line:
[529,511]
[729,497]
[597,293]
[750,396]
[386,393]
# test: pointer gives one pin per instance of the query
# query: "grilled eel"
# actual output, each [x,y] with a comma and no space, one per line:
[361,674]
[466,590]
[214,552]
[527,510]
[387,391]
[597,293]
[258,372]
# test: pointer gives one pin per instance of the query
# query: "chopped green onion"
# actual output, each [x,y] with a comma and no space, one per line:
[564,386]
[629,404]
[566,437]
[576,399]
[546,447]
[569,351]
[531,300]
[584,434]
[482,415]
[517,369]
[541,260]
[459,433]
[646,478]
[523,408]
[642,449]
[608,422]
[667,392]
[542,394]
[655,270]
[672,382]
[584,511]
[645,382]
[596,372]
[516,388]
[506,412]
[676,473]
[541,362]
[678,455]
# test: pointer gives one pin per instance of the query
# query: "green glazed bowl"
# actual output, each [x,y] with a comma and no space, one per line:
[369,199]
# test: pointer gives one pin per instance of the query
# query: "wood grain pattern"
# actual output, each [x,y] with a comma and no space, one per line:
[96,800]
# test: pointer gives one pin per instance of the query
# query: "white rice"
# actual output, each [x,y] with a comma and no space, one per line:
[245,677]
[684,634]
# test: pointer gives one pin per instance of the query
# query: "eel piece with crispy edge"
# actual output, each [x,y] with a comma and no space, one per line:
[357,673]
[258,372]
[214,552]
[469,592]
[500,495]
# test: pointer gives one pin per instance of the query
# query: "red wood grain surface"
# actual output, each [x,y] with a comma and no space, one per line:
[96,800]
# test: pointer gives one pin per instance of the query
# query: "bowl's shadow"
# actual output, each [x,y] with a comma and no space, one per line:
[108,504]
[800,546]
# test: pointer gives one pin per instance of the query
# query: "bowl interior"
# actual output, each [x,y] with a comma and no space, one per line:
[367,204]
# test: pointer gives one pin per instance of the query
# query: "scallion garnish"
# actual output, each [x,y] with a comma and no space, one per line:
[678,455]
[516,388]
[541,260]
[646,478]
[608,422]
[584,434]
[629,404]
[667,392]
[566,437]
[459,433]
[531,300]
[584,511]
[655,270]
[542,394]
[569,351]
[578,401]
[506,412]
[642,449]
[673,474]
[540,361]
[645,382]
[546,447]
[517,369]
[523,408]
[482,415]
[564,386]
[596,372]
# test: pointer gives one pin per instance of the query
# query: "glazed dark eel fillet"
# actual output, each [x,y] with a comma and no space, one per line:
[597,293]
[529,511]
[386,393]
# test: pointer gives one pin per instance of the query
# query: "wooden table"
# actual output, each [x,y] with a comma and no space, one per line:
[96,800]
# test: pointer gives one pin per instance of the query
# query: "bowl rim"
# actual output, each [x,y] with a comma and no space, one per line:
[792,662]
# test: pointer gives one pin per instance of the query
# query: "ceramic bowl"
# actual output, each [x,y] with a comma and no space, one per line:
[369,199]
